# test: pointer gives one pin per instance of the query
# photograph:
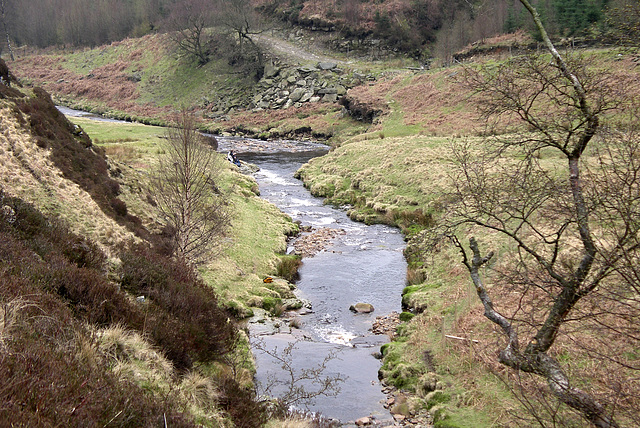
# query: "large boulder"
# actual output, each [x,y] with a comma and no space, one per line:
[362,308]
[297,94]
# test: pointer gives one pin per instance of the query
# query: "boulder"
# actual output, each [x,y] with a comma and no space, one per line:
[362,308]
[326,91]
[297,94]
[363,421]
[307,69]
[327,65]
[330,98]
[306,97]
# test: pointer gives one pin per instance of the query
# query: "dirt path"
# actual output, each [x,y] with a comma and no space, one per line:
[293,52]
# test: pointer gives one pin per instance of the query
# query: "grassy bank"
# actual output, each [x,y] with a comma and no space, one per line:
[400,181]
[259,229]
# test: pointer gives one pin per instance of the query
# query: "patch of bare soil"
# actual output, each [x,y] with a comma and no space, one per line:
[294,52]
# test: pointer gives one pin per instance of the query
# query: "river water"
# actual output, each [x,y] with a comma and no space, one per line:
[362,264]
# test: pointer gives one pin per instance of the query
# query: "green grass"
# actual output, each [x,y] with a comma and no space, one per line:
[114,132]
[387,180]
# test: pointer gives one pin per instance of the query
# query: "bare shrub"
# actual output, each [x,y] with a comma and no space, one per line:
[185,189]
[302,386]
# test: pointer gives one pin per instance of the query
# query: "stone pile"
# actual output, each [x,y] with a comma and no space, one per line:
[308,245]
[284,87]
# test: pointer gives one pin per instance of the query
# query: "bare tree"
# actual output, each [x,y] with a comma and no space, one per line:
[184,187]
[572,224]
[191,20]
[242,20]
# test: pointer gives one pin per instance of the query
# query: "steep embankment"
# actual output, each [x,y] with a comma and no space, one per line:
[104,329]
[52,164]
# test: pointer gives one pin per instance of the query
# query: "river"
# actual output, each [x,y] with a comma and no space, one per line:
[362,264]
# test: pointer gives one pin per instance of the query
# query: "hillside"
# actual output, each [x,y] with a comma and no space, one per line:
[117,342]
[401,134]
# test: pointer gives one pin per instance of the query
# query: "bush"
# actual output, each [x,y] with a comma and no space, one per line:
[241,405]
[46,383]
[199,328]
[49,238]
[119,207]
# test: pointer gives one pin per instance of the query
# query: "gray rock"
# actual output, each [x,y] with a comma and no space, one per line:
[327,65]
[325,91]
[270,70]
[307,69]
[330,98]
[306,97]
[297,94]
[314,99]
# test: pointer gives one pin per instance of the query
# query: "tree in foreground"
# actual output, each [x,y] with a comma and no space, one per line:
[184,186]
[562,194]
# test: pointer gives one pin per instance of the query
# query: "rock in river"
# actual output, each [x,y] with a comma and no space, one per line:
[361,308]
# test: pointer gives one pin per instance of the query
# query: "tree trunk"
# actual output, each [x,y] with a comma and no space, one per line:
[6,30]
[534,359]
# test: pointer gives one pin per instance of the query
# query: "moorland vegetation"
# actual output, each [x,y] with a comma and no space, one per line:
[533,155]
